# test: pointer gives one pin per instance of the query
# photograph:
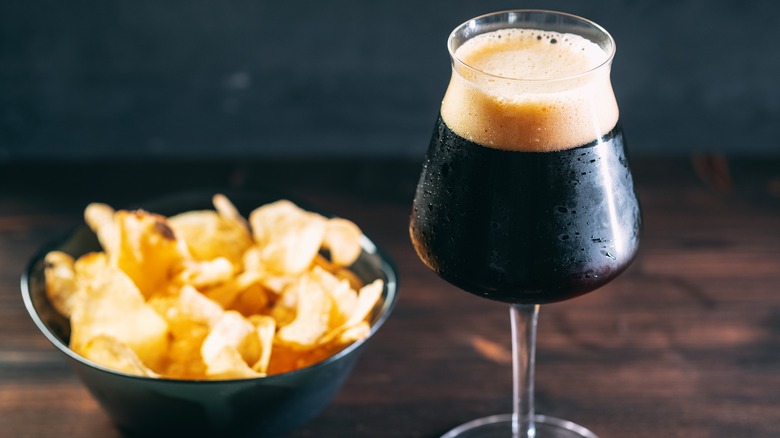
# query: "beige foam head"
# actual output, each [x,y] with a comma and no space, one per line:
[530,90]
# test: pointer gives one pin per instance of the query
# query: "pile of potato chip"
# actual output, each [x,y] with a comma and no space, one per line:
[209,295]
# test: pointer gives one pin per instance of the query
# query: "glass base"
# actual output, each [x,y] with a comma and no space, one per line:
[500,426]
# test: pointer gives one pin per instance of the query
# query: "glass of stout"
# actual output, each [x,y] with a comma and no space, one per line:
[525,195]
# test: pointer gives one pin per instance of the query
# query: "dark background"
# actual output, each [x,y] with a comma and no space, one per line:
[191,79]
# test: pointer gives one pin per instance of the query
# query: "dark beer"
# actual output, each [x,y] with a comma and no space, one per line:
[526,195]
[525,227]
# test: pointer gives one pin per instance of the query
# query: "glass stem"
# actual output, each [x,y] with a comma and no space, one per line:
[524,319]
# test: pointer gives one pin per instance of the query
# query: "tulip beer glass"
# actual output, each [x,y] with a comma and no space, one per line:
[525,195]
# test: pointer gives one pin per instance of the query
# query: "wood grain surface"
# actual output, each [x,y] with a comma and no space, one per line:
[685,344]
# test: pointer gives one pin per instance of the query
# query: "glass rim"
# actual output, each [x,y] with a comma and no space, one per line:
[610,55]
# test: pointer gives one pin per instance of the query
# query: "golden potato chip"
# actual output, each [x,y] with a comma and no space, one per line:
[253,300]
[234,331]
[148,251]
[206,273]
[265,329]
[271,281]
[288,359]
[288,237]
[285,306]
[90,265]
[368,296]
[184,360]
[190,316]
[61,284]
[312,312]
[100,218]
[227,363]
[227,210]
[285,358]
[341,273]
[209,235]
[185,308]
[343,298]
[116,355]
[345,338]
[113,306]
[226,293]
[252,260]
[342,239]
[353,333]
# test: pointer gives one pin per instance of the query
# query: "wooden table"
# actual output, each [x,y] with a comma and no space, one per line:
[685,344]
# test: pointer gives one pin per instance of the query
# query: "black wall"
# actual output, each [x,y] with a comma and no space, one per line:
[115,79]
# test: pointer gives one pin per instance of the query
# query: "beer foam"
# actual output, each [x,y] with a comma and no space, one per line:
[530,90]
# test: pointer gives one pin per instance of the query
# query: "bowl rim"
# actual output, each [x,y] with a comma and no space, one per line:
[389,300]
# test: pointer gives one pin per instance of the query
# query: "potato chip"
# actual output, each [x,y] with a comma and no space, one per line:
[100,218]
[61,284]
[338,271]
[185,308]
[312,312]
[353,333]
[202,274]
[148,251]
[209,235]
[285,307]
[113,306]
[116,355]
[342,239]
[272,281]
[368,296]
[285,358]
[343,298]
[234,331]
[227,210]
[226,293]
[334,344]
[190,316]
[90,265]
[253,300]
[265,329]
[227,363]
[184,360]
[288,237]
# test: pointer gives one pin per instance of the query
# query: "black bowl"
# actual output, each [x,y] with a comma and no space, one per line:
[269,406]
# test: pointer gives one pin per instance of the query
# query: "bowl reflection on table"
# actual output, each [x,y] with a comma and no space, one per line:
[266,406]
